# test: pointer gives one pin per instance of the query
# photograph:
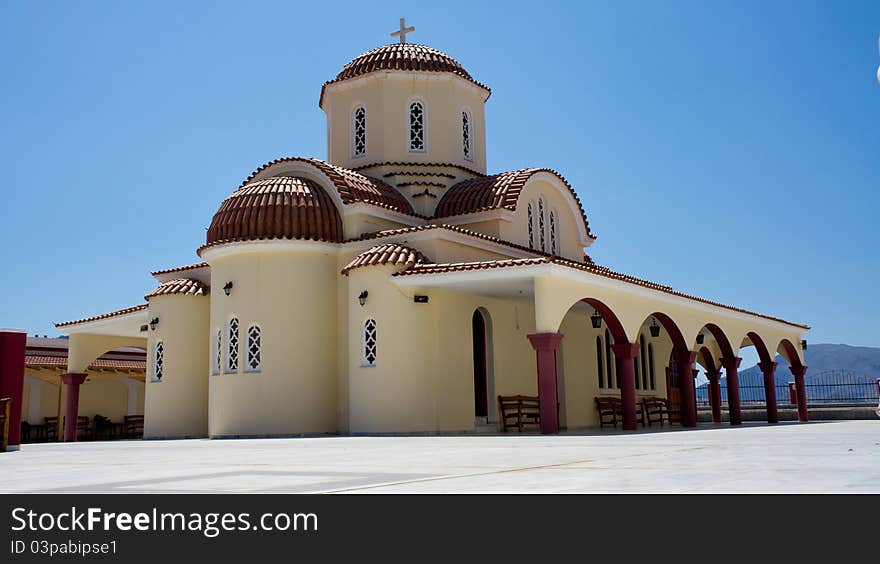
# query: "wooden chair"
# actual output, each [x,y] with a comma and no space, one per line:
[134,426]
[518,412]
[655,410]
[83,428]
[5,408]
[51,428]
[608,410]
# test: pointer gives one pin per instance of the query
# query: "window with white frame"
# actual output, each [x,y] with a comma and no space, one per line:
[466,136]
[370,352]
[232,353]
[218,352]
[542,218]
[359,132]
[417,127]
[158,361]
[554,233]
[254,348]
[531,214]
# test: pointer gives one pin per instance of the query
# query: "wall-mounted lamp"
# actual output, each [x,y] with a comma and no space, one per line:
[700,338]
[154,323]
[596,320]
[420,299]
[362,298]
[227,289]
[655,329]
[804,344]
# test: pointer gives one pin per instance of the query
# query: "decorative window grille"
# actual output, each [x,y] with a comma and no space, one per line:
[417,127]
[360,132]
[466,136]
[218,360]
[554,240]
[541,221]
[531,212]
[370,342]
[254,348]
[232,354]
[158,362]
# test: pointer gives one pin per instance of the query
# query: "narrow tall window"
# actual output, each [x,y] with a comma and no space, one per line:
[218,360]
[531,214]
[644,362]
[466,136]
[609,360]
[370,342]
[651,365]
[232,354]
[158,362]
[554,240]
[359,140]
[254,348]
[600,363]
[417,127]
[541,221]
[636,372]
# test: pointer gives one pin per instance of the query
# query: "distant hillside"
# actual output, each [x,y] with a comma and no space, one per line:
[834,372]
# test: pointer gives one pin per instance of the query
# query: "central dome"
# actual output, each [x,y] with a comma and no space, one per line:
[405,57]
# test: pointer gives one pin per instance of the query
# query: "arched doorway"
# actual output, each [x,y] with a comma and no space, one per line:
[484,385]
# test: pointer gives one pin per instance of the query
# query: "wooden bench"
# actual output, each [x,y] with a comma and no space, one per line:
[51,428]
[655,410]
[134,426]
[5,409]
[518,412]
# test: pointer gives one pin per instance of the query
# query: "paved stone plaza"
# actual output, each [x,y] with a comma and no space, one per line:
[840,456]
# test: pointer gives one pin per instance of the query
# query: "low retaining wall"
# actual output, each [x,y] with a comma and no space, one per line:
[817,412]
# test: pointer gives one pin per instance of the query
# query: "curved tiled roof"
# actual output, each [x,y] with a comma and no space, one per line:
[401,57]
[352,186]
[499,191]
[393,254]
[280,207]
[103,315]
[98,363]
[180,286]
[180,268]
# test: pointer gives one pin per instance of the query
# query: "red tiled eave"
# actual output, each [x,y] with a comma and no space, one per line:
[100,363]
[390,254]
[180,268]
[181,287]
[103,315]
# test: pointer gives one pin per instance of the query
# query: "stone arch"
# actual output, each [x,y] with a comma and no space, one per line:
[790,353]
[761,348]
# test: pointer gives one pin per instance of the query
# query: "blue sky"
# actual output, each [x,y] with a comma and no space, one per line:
[729,149]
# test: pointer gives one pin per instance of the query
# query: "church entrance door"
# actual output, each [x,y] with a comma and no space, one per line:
[481,395]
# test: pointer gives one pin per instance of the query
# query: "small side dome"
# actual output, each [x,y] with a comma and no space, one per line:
[282,207]
[392,253]
[180,286]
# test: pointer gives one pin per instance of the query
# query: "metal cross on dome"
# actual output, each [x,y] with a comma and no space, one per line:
[403,30]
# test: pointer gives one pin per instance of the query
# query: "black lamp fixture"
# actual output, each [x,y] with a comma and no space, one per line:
[804,344]
[154,323]
[596,320]
[362,298]
[655,329]
[700,338]
[227,289]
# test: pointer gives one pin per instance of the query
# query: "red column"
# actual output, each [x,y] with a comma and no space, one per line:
[685,360]
[545,345]
[12,346]
[730,366]
[626,354]
[798,372]
[769,369]
[73,381]
[715,395]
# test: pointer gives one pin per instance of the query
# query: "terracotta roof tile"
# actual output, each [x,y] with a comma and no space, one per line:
[416,173]
[390,254]
[401,57]
[103,315]
[180,286]
[180,268]
[106,363]
[421,165]
[499,191]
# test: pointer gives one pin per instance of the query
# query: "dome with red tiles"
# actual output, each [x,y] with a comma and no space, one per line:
[281,207]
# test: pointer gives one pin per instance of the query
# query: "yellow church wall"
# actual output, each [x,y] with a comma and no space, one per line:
[443,251]
[177,406]
[386,97]
[103,396]
[291,293]
[359,224]
[344,303]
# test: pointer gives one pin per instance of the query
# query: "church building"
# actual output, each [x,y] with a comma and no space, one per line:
[400,287]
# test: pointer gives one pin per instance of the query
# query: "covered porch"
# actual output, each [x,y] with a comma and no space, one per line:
[599,334]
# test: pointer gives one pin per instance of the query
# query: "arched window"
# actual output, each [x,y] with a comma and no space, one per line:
[554,233]
[232,354]
[644,362]
[531,214]
[609,360]
[636,372]
[158,361]
[417,127]
[542,218]
[218,351]
[466,136]
[600,362]
[359,132]
[370,352]
[651,365]
[254,348]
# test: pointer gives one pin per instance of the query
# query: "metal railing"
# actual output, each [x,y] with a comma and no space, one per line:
[828,387]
